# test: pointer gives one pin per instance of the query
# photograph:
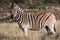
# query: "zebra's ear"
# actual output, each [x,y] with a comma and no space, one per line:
[12,5]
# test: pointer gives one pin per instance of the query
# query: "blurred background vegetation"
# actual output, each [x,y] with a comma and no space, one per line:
[31,1]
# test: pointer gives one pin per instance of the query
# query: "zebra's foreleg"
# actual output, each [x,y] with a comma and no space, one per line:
[25,27]
[26,31]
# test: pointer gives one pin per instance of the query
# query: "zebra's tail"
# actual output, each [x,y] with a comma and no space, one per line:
[55,27]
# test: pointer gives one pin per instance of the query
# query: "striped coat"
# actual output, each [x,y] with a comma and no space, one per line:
[33,21]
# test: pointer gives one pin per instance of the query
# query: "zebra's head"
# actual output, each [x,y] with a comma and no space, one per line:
[15,11]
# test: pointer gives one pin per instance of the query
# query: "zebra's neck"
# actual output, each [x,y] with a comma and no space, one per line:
[19,9]
[19,12]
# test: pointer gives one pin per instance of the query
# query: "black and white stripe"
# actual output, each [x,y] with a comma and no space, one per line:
[34,21]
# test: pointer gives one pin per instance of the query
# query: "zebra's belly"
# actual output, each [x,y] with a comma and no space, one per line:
[30,27]
[35,28]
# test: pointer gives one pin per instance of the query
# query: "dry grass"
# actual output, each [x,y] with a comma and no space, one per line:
[11,31]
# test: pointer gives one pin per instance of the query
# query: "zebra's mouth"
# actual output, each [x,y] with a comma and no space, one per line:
[12,18]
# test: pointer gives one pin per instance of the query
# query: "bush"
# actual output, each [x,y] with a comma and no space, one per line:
[16,1]
[32,7]
[49,1]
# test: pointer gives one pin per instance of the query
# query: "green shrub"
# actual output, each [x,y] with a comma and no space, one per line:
[32,7]
[49,1]
[16,1]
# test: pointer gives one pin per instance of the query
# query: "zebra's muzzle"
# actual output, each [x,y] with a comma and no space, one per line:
[11,16]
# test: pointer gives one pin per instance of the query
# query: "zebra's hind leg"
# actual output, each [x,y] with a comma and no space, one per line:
[48,29]
[51,29]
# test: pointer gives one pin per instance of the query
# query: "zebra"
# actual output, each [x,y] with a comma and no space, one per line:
[33,21]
